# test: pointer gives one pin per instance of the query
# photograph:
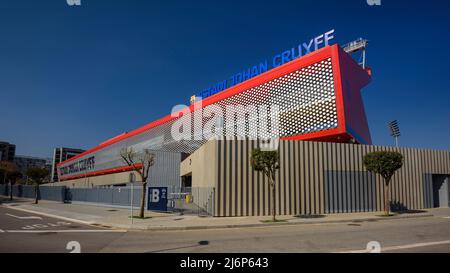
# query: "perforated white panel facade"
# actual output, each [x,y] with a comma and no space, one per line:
[300,102]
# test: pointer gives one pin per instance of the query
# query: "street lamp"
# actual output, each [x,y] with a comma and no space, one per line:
[395,131]
[132,179]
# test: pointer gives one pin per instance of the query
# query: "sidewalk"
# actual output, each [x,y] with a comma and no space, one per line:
[119,217]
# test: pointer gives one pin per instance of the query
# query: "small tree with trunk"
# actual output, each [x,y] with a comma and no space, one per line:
[141,163]
[385,164]
[10,174]
[37,176]
[267,162]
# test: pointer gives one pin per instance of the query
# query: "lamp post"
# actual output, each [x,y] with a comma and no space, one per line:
[132,179]
[395,131]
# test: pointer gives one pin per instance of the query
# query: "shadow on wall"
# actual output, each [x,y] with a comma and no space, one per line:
[399,207]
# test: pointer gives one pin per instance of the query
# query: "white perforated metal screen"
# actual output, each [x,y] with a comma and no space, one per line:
[301,102]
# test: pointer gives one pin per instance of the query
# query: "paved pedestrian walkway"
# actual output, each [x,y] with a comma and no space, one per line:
[120,217]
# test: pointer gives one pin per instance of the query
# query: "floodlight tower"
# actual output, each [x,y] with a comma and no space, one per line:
[395,131]
[358,45]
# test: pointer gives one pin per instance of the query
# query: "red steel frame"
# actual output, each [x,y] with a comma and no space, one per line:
[339,134]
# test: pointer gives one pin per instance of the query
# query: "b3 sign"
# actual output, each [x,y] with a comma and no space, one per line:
[157,198]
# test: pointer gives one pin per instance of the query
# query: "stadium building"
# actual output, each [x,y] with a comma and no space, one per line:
[313,106]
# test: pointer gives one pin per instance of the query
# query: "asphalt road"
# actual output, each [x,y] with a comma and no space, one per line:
[23,232]
[27,232]
[394,235]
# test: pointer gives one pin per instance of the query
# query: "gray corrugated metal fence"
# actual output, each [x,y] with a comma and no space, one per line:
[29,191]
[120,196]
[427,190]
[4,190]
[317,178]
[110,196]
[349,191]
[202,198]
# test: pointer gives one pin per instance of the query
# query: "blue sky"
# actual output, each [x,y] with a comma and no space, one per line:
[76,76]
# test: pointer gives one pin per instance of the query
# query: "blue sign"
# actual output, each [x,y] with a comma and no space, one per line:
[277,60]
[157,198]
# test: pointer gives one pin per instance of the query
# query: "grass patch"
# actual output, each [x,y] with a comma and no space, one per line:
[273,222]
[137,217]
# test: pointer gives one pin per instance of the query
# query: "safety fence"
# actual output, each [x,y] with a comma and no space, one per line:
[116,196]
[197,201]
[27,191]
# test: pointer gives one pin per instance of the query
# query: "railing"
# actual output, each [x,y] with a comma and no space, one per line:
[199,201]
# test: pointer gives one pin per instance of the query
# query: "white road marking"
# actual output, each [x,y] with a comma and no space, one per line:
[447,217]
[69,231]
[38,226]
[1,231]
[390,248]
[25,217]
[52,216]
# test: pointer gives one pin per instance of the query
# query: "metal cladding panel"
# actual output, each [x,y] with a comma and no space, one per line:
[318,178]
[353,79]
[165,171]
[302,99]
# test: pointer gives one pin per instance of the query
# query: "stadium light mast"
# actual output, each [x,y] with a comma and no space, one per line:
[395,131]
[356,46]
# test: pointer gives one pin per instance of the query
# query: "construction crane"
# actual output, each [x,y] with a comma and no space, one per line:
[357,46]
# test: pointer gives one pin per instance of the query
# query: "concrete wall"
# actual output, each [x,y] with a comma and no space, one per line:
[314,178]
[202,165]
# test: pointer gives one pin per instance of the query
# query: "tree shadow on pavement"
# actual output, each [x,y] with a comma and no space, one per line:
[200,243]
[400,208]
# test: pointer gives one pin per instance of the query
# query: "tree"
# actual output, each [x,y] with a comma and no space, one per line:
[385,164]
[37,176]
[13,176]
[267,162]
[10,174]
[141,163]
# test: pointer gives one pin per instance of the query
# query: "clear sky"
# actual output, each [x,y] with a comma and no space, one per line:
[76,76]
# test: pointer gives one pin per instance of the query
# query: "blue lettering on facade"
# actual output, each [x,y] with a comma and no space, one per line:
[277,60]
